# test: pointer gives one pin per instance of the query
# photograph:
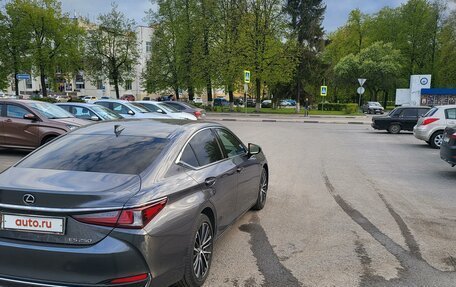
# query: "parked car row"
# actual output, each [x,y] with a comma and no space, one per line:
[436,126]
[119,203]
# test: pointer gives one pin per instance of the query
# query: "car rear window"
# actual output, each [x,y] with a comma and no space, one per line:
[98,153]
[431,112]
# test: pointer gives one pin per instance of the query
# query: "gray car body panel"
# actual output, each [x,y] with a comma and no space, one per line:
[158,249]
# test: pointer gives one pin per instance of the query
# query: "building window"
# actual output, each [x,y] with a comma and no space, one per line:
[28,84]
[80,83]
[148,47]
[100,85]
[128,85]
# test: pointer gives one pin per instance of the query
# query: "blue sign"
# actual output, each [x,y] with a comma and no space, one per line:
[23,76]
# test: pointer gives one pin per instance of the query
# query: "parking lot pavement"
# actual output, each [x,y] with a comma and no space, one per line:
[347,206]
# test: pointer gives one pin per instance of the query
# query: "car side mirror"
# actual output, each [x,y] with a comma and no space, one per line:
[160,111]
[253,149]
[31,117]
[130,112]
[94,118]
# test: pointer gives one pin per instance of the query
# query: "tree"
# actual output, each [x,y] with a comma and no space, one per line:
[54,40]
[111,48]
[14,44]
[162,68]
[379,63]
[446,74]
[306,18]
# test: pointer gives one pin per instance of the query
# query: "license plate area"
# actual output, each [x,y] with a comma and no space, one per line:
[32,223]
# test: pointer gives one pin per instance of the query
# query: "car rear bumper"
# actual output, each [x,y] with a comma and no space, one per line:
[17,282]
[59,265]
[448,154]
[421,134]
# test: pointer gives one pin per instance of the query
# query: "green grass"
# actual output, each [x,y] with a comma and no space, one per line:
[288,111]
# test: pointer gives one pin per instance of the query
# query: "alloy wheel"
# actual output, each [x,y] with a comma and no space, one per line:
[202,250]
[263,187]
[438,140]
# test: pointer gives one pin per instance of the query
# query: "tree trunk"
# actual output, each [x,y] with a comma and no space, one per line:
[209,89]
[231,97]
[43,82]
[385,100]
[16,82]
[191,93]
[116,86]
[258,95]
[176,93]
[298,96]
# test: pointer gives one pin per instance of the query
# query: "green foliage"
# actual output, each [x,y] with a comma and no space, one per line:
[446,75]
[346,108]
[45,99]
[111,49]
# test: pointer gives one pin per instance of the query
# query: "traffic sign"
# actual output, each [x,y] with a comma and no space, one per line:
[361,82]
[247,77]
[23,76]
[361,90]
[323,91]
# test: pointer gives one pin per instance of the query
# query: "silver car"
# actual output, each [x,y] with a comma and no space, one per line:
[165,109]
[430,127]
[129,111]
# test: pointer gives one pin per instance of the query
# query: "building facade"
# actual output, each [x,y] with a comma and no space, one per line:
[81,85]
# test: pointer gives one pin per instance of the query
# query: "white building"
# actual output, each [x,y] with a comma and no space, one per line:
[81,86]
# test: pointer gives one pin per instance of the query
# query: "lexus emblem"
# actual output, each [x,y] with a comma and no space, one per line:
[28,199]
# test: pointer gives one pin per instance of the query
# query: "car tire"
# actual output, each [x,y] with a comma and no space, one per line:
[199,257]
[262,191]
[394,129]
[436,139]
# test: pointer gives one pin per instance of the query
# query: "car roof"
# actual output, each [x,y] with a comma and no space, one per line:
[112,101]
[413,107]
[446,107]
[145,127]
[77,104]
[25,102]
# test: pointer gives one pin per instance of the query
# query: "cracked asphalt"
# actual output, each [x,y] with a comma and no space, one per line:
[347,206]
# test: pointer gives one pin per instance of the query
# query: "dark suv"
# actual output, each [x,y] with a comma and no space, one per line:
[401,118]
[448,148]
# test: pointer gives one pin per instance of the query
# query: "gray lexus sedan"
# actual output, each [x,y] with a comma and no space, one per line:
[126,203]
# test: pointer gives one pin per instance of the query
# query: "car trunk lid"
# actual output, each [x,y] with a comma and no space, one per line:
[50,197]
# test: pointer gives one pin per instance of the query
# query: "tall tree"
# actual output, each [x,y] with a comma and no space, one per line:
[306,17]
[14,43]
[111,48]
[446,74]
[54,41]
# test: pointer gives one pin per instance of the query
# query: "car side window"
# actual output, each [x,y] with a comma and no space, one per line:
[422,112]
[152,107]
[189,157]
[449,113]
[232,145]
[407,113]
[13,111]
[104,104]
[121,109]
[82,112]
[206,147]
[66,108]
[177,106]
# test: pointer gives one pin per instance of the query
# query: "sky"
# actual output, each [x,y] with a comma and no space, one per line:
[336,14]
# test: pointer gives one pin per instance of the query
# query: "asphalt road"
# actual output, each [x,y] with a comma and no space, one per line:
[347,206]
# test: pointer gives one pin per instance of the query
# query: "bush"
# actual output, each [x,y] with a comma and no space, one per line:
[47,100]
[346,108]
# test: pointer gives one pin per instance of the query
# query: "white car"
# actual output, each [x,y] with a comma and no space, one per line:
[430,127]
[166,109]
[90,99]
[129,110]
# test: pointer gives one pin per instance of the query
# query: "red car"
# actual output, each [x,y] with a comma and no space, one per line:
[129,98]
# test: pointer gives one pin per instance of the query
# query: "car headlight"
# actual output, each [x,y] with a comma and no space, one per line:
[71,127]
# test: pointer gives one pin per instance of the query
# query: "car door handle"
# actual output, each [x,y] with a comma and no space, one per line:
[239,169]
[210,181]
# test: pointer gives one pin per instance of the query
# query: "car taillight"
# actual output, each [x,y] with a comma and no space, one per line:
[133,218]
[131,279]
[197,114]
[429,121]
[453,136]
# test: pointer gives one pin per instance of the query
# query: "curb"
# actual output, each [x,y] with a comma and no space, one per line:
[285,121]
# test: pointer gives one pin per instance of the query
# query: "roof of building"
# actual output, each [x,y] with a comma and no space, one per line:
[446,92]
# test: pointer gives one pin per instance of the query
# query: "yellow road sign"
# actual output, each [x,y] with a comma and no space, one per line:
[323,91]
[247,77]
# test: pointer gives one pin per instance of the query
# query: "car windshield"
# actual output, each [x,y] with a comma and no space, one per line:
[50,111]
[139,107]
[106,114]
[98,153]
[168,108]
[376,104]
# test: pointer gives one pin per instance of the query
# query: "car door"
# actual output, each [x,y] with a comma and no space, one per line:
[247,169]
[450,115]
[17,130]
[214,172]
[409,118]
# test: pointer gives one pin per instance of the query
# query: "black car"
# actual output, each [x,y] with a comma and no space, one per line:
[251,103]
[401,118]
[448,147]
